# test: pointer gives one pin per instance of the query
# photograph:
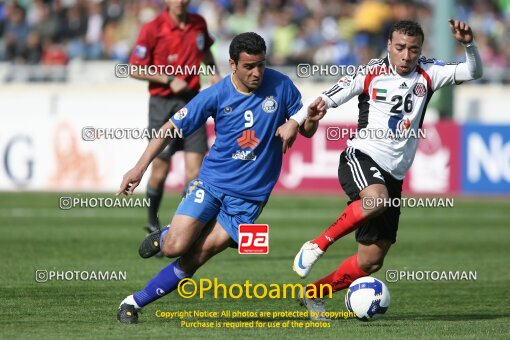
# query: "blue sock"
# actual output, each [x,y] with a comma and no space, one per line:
[162,236]
[160,285]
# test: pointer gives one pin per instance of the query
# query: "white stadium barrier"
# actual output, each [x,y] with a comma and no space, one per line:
[42,149]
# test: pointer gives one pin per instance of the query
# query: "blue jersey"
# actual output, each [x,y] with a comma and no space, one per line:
[246,158]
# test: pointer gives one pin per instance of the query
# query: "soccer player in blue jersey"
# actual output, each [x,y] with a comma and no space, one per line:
[250,108]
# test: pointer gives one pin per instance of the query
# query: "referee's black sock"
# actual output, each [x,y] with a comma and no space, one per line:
[154,195]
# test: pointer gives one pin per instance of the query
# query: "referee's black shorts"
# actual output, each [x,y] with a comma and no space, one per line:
[357,171]
[160,111]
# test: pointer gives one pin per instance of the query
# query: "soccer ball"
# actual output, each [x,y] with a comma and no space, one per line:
[367,297]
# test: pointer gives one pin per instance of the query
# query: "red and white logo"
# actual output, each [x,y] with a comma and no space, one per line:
[253,239]
[420,90]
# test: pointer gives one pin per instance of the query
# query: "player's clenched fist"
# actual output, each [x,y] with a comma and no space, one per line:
[130,181]
[317,110]
[461,31]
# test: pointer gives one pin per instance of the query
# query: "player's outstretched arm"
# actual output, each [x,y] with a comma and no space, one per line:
[133,177]
[472,68]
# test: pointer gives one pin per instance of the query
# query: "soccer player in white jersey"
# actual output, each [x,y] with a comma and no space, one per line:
[373,168]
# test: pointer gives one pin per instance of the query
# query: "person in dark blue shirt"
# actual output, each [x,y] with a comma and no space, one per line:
[252,110]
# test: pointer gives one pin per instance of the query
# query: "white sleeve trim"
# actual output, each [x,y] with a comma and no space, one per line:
[301,115]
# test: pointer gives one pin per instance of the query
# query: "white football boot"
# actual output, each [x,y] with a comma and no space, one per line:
[306,258]
[315,308]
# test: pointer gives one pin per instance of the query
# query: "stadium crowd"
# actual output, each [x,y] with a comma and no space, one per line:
[39,32]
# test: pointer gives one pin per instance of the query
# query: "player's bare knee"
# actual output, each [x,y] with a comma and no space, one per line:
[173,248]
[375,204]
[167,251]
[371,260]
[381,202]
[371,266]
[374,200]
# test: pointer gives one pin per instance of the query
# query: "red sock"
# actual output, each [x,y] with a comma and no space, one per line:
[349,220]
[342,278]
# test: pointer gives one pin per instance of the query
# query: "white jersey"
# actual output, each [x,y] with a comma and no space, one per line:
[391,108]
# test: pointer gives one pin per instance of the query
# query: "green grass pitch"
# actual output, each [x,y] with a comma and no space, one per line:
[36,234]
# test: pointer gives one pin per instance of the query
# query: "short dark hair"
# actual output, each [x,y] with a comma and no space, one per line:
[248,42]
[407,27]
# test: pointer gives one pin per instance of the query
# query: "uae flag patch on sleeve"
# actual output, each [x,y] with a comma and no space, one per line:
[379,94]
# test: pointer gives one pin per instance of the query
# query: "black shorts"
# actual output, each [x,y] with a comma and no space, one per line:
[357,171]
[160,111]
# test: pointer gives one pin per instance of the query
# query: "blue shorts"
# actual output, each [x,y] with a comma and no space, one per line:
[206,203]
